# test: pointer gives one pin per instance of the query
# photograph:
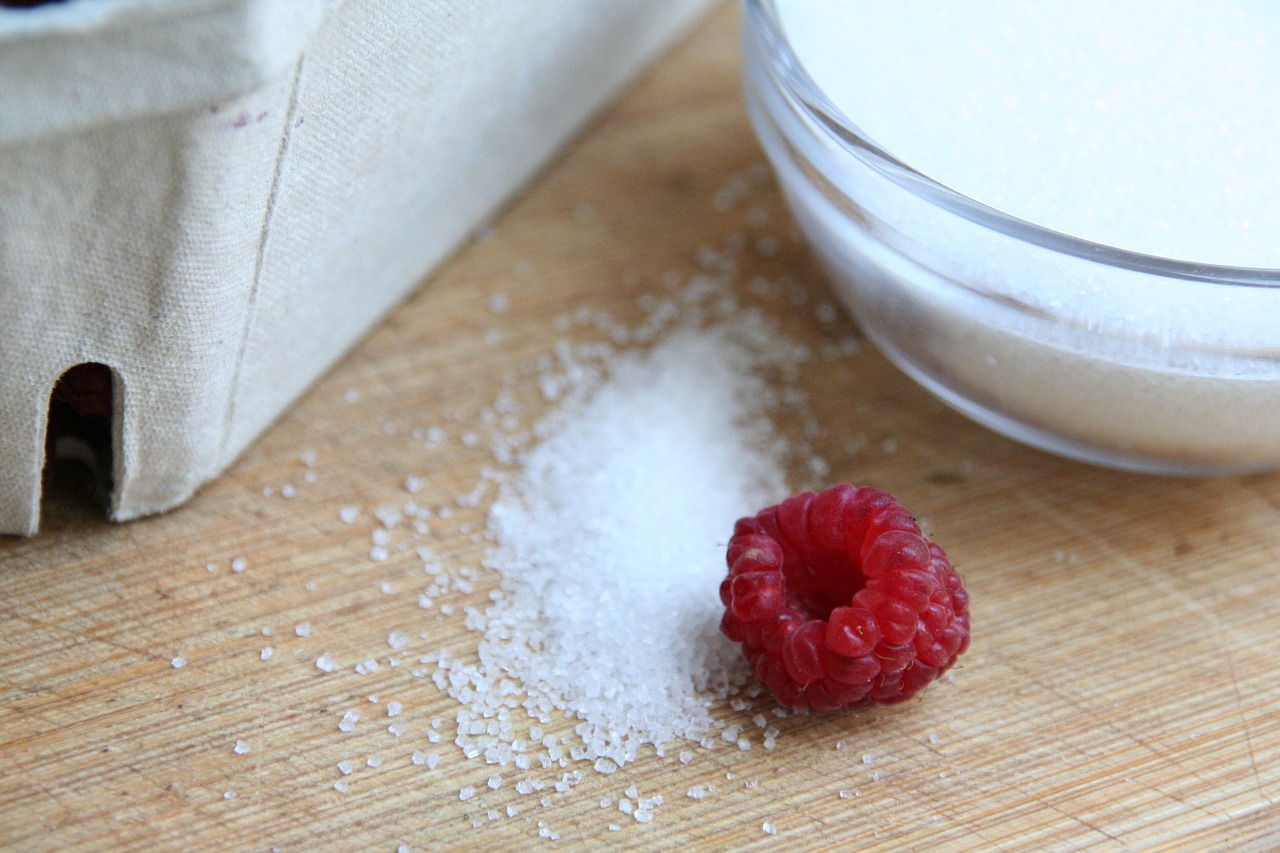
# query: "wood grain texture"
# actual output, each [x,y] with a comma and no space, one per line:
[1121,691]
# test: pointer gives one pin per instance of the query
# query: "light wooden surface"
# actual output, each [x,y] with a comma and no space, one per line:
[1121,691]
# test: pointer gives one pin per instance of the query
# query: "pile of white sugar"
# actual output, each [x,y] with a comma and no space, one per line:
[1147,125]
[609,539]
[611,543]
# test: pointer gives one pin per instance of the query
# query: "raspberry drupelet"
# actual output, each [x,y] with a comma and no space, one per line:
[838,600]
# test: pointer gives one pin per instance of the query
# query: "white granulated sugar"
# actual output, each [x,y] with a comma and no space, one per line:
[267,653]
[302,629]
[613,535]
[324,663]
[1147,124]
[179,662]
[241,748]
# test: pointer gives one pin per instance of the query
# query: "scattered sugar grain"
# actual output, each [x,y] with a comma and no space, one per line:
[267,653]
[769,828]
[466,793]
[342,786]
[229,795]
[394,708]
[241,748]
[345,767]
[348,721]
[373,761]
[179,662]
[349,514]
[302,629]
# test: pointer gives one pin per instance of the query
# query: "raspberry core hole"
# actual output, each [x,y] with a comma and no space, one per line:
[816,586]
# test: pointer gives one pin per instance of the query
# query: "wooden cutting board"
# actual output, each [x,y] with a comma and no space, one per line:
[1121,691]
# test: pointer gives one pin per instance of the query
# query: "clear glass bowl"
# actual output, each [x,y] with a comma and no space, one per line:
[1095,353]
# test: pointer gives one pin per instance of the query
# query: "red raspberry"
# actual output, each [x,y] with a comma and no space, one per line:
[838,600]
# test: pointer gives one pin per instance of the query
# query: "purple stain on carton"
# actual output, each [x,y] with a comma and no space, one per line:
[245,119]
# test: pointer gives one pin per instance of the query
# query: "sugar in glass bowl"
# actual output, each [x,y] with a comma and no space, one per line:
[1061,219]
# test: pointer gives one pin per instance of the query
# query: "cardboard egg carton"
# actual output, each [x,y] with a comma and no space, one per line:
[215,199]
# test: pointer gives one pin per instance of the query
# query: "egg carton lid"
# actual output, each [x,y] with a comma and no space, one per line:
[66,66]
